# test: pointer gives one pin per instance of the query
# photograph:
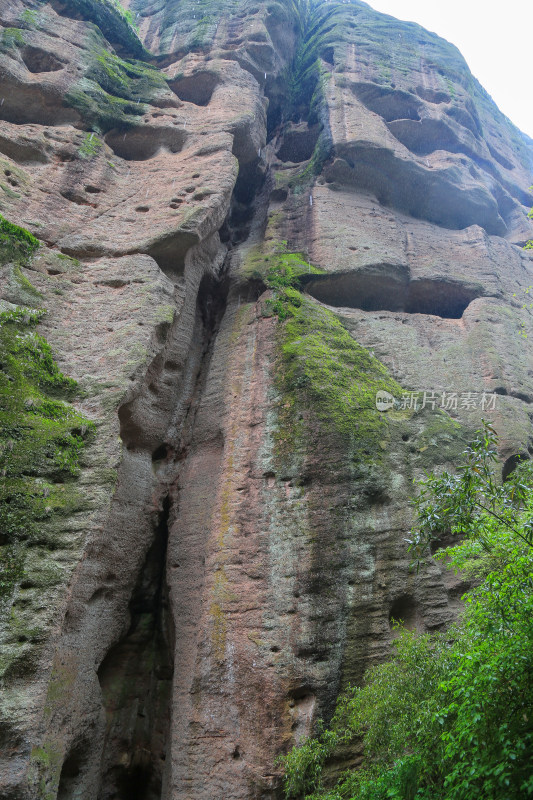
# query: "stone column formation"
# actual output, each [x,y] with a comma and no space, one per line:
[236,549]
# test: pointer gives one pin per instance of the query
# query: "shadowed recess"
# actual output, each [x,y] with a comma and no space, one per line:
[298,143]
[169,251]
[197,88]
[388,288]
[38,60]
[388,103]
[405,609]
[141,144]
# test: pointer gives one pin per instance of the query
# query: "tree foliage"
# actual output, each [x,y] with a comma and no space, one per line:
[450,717]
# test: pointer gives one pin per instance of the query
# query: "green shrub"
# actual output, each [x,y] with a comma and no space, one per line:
[450,717]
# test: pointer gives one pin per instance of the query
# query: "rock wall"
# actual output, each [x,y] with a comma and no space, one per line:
[250,223]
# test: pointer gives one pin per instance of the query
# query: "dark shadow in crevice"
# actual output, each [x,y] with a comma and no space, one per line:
[511,463]
[72,770]
[170,251]
[298,142]
[388,287]
[135,678]
[249,183]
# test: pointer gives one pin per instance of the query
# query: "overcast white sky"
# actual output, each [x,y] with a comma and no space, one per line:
[494,37]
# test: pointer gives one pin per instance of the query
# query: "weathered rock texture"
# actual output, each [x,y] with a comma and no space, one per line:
[237,547]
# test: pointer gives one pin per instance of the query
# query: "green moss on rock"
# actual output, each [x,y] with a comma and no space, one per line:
[323,375]
[115,22]
[41,437]
[17,245]
[113,91]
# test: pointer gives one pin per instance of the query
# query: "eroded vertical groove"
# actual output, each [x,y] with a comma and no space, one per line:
[135,678]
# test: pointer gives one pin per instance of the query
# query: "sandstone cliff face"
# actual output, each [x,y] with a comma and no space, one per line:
[250,223]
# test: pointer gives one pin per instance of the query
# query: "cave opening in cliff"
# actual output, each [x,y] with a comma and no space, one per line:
[135,679]
[389,288]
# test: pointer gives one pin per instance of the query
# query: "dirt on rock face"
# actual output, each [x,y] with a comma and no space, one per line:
[234,551]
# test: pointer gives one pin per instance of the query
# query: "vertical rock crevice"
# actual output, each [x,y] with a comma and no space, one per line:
[135,679]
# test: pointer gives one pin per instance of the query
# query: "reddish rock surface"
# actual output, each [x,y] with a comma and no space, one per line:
[213,593]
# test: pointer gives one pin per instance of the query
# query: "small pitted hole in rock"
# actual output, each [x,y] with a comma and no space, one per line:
[92,189]
[512,463]
[160,453]
[7,172]
[274,649]
[236,752]
[144,209]
[196,175]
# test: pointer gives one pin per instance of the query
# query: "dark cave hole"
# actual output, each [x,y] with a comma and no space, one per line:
[170,252]
[197,88]
[298,143]
[160,453]
[388,288]
[71,770]
[512,463]
[133,784]
[405,610]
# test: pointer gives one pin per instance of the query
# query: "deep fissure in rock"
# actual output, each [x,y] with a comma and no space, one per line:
[136,678]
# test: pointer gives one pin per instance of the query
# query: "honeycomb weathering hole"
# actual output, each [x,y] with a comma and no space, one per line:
[405,610]
[197,88]
[141,144]
[390,289]
[390,104]
[38,60]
